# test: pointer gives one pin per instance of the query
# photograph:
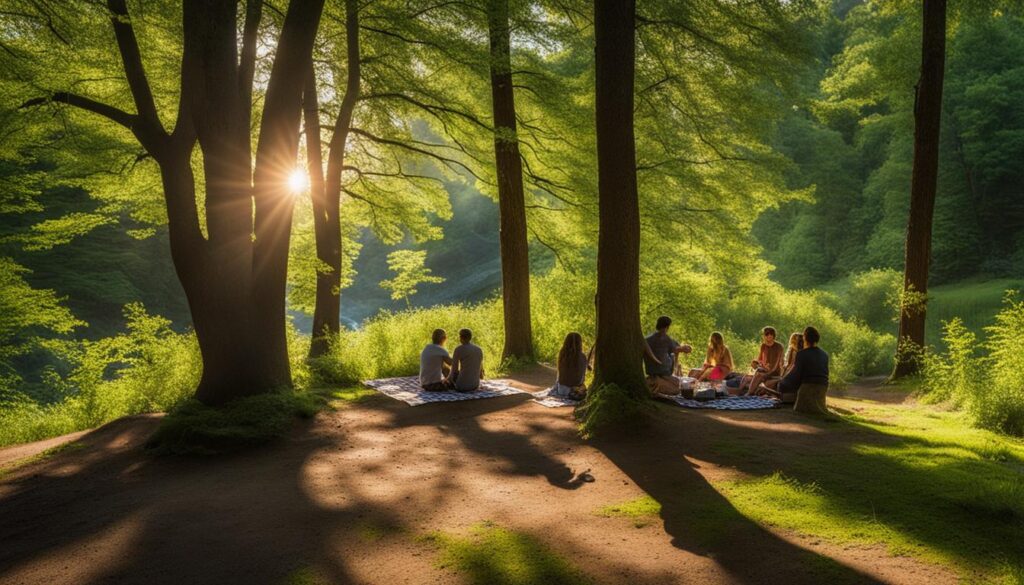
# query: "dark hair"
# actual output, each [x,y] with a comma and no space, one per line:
[571,347]
[438,336]
[663,322]
[811,336]
[768,331]
[465,334]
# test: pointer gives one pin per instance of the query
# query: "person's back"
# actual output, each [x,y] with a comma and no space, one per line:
[663,348]
[432,361]
[469,360]
[572,372]
[813,365]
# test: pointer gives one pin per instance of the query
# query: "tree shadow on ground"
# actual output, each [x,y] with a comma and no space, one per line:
[665,464]
[177,520]
[517,453]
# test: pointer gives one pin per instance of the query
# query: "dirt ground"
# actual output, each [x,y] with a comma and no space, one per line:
[345,498]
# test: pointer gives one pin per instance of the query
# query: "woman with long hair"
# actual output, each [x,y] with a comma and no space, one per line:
[718,362]
[572,368]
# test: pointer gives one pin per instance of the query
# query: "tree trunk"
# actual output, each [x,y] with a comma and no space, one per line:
[619,338]
[927,121]
[326,192]
[515,253]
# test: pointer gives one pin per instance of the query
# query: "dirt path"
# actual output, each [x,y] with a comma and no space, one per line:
[345,498]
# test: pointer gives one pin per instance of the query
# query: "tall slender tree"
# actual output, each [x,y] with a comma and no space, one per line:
[325,191]
[927,120]
[619,338]
[234,274]
[515,251]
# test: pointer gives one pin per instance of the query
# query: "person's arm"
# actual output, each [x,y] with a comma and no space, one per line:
[447,359]
[650,354]
[455,364]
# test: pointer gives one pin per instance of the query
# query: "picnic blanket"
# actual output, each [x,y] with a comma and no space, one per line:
[408,390]
[730,403]
[546,398]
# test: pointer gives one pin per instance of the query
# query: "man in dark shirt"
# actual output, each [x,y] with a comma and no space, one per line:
[659,358]
[811,366]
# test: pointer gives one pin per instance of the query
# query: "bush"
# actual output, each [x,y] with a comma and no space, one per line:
[148,368]
[196,429]
[389,344]
[989,387]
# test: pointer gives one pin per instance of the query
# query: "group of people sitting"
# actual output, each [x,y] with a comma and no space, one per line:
[777,371]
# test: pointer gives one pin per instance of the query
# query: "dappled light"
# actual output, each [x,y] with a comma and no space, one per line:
[528,292]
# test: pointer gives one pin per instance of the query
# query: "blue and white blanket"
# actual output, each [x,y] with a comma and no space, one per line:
[730,403]
[409,391]
[549,399]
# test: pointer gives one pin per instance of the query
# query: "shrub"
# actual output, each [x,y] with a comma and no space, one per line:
[989,387]
[148,368]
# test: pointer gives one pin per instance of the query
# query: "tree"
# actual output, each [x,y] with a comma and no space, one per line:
[515,251]
[927,119]
[619,339]
[233,272]
[325,190]
[409,273]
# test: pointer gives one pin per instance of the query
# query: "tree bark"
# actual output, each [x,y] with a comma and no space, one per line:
[619,338]
[927,122]
[515,252]
[326,191]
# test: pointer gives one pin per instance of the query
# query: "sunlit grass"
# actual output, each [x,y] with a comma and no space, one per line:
[917,480]
[492,555]
[642,510]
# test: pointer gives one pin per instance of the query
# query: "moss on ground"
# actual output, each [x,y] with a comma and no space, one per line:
[642,510]
[492,555]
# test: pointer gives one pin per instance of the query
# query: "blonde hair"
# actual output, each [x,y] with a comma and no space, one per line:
[716,347]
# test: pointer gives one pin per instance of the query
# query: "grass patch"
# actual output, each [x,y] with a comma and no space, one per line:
[641,510]
[197,429]
[492,555]
[305,576]
[975,302]
[340,397]
[41,456]
[917,480]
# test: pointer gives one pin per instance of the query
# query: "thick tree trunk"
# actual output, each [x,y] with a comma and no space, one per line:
[515,253]
[326,193]
[927,120]
[619,338]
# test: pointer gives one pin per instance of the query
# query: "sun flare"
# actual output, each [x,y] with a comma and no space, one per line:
[298,181]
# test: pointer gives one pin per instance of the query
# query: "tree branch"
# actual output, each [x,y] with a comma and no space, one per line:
[128,46]
[110,112]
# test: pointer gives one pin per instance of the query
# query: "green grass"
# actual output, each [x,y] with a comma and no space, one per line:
[975,302]
[642,510]
[492,555]
[42,456]
[916,480]
[196,429]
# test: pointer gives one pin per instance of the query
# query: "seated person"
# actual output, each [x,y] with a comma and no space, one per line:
[718,362]
[467,364]
[810,367]
[768,363]
[659,357]
[435,363]
[796,343]
[572,368]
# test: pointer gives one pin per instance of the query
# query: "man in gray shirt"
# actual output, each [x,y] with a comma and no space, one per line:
[467,364]
[434,363]
[660,357]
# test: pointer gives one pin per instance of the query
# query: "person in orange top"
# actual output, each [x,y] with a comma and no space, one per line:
[768,363]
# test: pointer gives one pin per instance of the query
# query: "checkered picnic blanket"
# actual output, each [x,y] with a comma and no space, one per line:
[548,399]
[730,403]
[409,391]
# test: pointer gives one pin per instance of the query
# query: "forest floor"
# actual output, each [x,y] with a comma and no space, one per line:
[496,491]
